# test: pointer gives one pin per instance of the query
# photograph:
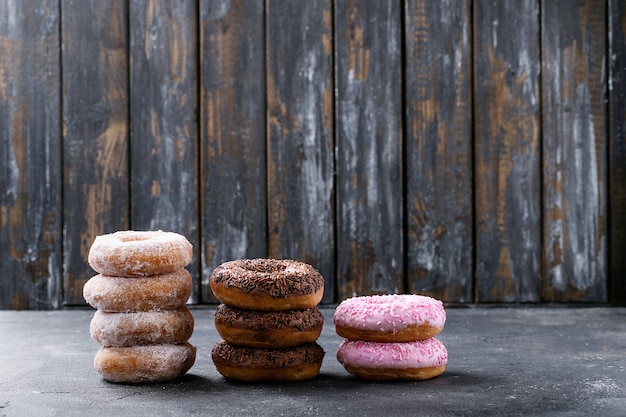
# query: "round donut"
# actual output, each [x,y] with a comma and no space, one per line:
[389,318]
[255,364]
[130,253]
[268,329]
[142,327]
[142,364]
[418,360]
[159,292]
[267,284]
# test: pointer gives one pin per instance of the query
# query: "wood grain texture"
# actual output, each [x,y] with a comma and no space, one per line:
[474,151]
[369,147]
[617,151]
[233,197]
[163,110]
[30,156]
[439,149]
[300,134]
[575,150]
[95,131]
[507,162]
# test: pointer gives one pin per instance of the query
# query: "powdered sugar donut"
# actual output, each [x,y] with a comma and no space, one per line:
[389,318]
[267,284]
[131,253]
[142,327]
[119,294]
[141,364]
[421,359]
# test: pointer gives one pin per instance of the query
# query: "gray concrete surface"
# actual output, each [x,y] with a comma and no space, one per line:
[502,362]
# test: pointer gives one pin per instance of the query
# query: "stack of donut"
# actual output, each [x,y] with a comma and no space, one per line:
[391,336]
[140,293]
[268,320]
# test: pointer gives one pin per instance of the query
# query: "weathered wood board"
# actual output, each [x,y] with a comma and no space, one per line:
[30,156]
[574,150]
[439,149]
[370,258]
[163,108]
[233,146]
[473,151]
[300,165]
[95,132]
[507,151]
[617,151]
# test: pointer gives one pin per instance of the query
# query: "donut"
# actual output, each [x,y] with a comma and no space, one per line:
[389,318]
[418,360]
[256,364]
[267,284]
[142,327]
[130,253]
[159,292]
[142,364]
[268,329]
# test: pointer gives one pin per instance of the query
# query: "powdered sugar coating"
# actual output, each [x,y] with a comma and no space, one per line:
[139,253]
[142,364]
[159,292]
[142,328]
[406,355]
[390,313]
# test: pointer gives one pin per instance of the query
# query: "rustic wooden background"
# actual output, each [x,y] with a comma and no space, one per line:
[474,151]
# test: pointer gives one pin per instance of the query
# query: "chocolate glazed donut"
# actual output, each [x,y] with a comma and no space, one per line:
[254,364]
[267,284]
[267,329]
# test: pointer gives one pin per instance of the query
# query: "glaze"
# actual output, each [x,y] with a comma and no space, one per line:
[390,313]
[427,353]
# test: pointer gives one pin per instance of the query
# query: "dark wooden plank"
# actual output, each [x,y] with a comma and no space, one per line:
[30,155]
[575,150]
[507,158]
[300,134]
[439,149]
[95,127]
[232,134]
[369,147]
[617,151]
[163,111]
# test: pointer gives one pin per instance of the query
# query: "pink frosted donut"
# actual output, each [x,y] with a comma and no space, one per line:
[138,254]
[143,364]
[389,318]
[421,359]
[121,295]
[142,327]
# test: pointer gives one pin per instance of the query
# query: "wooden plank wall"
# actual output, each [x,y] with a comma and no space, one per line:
[470,150]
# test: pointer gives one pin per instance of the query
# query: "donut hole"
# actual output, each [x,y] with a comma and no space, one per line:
[135,238]
[263,265]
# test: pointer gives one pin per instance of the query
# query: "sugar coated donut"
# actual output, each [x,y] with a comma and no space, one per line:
[389,318]
[255,364]
[142,327]
[130,253]
[421,359]
[268,329]
[267,284]
[159,292]
[142,364]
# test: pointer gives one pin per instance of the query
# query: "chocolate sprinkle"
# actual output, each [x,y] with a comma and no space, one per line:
[238,356]
[273,277]
[296,320]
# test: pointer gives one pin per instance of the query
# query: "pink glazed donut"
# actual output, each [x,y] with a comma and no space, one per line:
[418,360]
[389,318]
